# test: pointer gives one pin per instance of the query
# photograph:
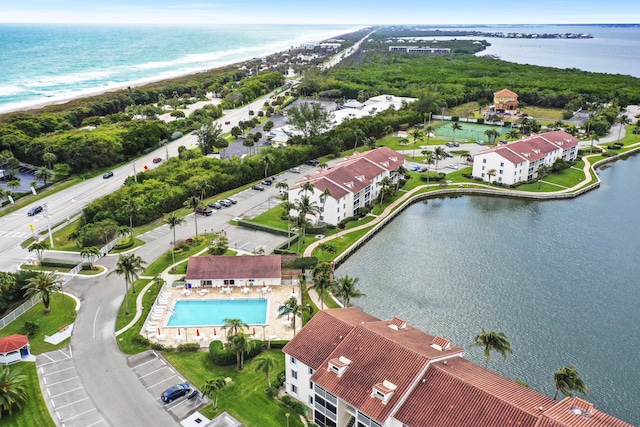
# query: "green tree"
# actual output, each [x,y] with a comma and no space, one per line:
[345,288]
[327,248]
[207,134]
[491,173]
[358,134]
[438,153]
[7,280]
[543,171]
[49,158]
[131,206]
[264,364]
[568,379]
[234,326]
[240,343]
[91,253]
[194,203]
[324,196]
[44,285]
[386,185]
[492,134]
[428,131]
[400,173]
[310,119]
[417,135]
[13,393]
[44,174]
[492,341]
[39,248]
[512,134]
[268,126]
[623,120]
[301,222]
[212,388]
[173,221]
[129,266]
[454,127]
[322,281]
[293,309]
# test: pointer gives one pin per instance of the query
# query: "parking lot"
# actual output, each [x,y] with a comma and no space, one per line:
[156,375]
[63,391]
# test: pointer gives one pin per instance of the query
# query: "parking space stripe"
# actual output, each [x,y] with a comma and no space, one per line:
[158,383]
[97,422]
[64,392]
[72,403]
[59,382]
[61,370]
[82,413]
[144,363]
[151,373]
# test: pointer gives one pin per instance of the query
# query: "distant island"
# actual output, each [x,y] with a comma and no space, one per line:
[501,34]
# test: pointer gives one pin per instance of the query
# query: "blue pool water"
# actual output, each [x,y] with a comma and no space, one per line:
[213,312]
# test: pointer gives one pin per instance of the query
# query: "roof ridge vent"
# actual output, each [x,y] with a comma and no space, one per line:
[440,343]
[397,324]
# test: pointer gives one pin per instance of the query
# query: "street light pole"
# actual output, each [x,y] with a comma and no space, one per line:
[287,415]
[46,213]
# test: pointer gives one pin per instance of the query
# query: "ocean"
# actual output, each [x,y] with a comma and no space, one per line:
[44,63]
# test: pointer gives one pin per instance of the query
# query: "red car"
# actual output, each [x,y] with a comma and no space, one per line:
[227,122]
[157,160]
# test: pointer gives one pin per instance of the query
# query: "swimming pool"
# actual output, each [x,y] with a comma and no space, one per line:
[213,312]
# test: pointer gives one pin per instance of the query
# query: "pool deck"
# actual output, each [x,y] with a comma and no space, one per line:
[275,329]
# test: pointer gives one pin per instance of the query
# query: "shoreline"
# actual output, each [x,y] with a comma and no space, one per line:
[89,93]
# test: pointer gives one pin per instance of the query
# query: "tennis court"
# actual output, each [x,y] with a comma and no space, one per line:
[469,131]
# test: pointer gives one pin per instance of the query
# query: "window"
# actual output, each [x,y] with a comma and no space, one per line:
[294,389]
[229,282]
[500,171]
[483,167]
[484,160]
[310,385]
[311,371]
[501,164]
[294,374]
[293,360]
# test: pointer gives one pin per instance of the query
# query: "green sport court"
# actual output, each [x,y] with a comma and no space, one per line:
[469,131]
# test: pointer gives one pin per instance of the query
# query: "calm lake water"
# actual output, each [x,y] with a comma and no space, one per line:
[559,278]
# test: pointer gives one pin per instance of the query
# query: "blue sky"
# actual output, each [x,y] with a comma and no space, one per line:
[426,12]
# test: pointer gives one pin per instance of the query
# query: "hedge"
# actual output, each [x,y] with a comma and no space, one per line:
[303,263]
[220,356]
[430,177]
[63,263]
[261,227]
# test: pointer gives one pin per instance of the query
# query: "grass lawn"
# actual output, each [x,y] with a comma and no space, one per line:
[63,312]
[245,398]
[272,218]
[126,341]
[35,412]
[551,114]
[162,263]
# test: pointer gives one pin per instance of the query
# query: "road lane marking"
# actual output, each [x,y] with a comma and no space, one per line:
[95,318]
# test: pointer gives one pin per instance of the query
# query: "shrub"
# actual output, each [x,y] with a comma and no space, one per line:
[480,121]
[220,356]
[433,177]
[30,328]
[364,211]
[189,347]
[124,244]
[319,229]
[455,119]
[63,263]
[262,227]
[303,263]
[157,346]
[139,339]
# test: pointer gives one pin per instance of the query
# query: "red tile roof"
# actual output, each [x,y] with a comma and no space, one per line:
[576,412]
[13,342]
[505,93]
[534,147]
[315,342]
[233,267]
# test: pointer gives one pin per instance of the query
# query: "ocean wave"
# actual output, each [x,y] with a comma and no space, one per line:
[67,79]
[11,90]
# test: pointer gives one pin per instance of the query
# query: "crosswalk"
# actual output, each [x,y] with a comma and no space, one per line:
[15,234]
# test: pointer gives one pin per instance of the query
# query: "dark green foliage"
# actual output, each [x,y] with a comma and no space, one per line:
[13,294]
[189,347]
[140,340]
[262,227]
[303,263]
[432,176]
[220,356]
[63,263]
[296,406]
[30,328]
[317,229]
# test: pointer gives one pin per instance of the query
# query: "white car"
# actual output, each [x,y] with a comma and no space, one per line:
[294,170]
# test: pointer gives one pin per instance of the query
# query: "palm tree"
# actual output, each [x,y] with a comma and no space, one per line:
[358,133]
[327,248]
[307,187]
[345,288]
[454,127]
[513,134]
[91,253]
[240,343]
[305,206]
[202,186]
[417,135]
[44,174]
[7,280]
[4,194]
[234,326]
[428,131]
[14,183]
[49,158]
[213,387]
[301,222]
[43,285]
[293,309]
[543,170]
[13,394]
[39,248]
[266,159]
[464,154]
[323,197]
[492,134]
[568,379]
[322,280]
[131,206]
[401,173]
[282,185]
[124,231]
[173,221]
[128,266]
[491,340]
[491,173]
[623,120]
[387,184]
[265,364]
[438,154]
[194,203]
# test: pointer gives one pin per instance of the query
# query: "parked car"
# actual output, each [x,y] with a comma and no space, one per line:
[226,203]
[294,170]
[449,144]
[227,122]
[215,205]
[415,168]
[204,211]
[35,210]
[455,144]
[480,142]
[314,162]
[504,141]
[470,159]
[174,392]
[232,200]
[447,154]
[267,182]
[108,175]
[258,188]
[157,159]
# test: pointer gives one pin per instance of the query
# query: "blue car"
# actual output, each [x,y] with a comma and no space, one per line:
[172,393]
[415,168]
